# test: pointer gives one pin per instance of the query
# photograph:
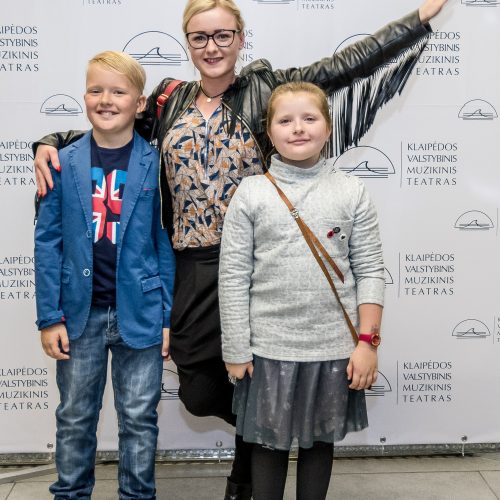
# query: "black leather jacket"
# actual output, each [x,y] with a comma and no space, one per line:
[365,63]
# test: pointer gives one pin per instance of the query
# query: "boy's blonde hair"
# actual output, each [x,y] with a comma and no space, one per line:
[294,88]
[194,7]
[124,64]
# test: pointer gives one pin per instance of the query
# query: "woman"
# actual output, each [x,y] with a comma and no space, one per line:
[211,134]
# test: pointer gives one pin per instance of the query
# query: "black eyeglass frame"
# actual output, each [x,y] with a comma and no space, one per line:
[212,36]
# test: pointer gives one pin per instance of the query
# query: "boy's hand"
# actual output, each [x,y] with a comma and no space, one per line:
[165,347]
[55,341]
[429,9]
[44,155]
[362,367]
[238,370]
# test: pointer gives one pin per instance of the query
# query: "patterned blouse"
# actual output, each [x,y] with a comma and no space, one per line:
[204,167]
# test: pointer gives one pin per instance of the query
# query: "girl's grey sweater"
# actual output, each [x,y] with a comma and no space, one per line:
[275,301]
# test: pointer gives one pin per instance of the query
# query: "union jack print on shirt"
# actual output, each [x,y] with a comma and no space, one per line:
[107,193]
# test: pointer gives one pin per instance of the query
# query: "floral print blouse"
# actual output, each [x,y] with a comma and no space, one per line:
[204,167]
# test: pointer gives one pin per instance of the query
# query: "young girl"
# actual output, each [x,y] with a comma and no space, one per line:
[281,322]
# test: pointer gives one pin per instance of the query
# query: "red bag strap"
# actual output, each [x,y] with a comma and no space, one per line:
[163,97]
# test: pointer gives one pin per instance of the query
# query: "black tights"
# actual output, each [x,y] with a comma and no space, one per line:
[269,470]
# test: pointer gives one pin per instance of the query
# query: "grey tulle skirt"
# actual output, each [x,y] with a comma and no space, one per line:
[307,401]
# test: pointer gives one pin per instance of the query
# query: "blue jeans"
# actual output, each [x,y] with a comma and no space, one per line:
[136,376]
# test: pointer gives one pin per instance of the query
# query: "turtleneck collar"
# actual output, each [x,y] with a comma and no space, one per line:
[289,173]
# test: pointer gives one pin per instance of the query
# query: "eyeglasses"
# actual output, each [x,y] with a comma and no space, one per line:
[221,38]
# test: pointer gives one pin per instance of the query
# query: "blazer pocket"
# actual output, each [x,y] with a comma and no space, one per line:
[151,283]
[147,192]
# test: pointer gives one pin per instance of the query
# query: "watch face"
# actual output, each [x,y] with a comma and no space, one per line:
[376,340]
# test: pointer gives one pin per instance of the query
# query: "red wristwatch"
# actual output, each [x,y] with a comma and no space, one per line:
[373,339]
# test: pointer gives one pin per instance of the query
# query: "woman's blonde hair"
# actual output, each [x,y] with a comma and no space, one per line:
[124,64]
[194,7]
[294,88]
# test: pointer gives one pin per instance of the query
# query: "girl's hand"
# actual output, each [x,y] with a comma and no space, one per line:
[429,9]
[238,370]
[44,155]
[362,367]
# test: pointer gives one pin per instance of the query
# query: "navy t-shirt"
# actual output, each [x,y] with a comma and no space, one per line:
[109,175]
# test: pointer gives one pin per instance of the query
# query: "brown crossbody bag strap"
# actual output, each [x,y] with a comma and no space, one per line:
[315,245]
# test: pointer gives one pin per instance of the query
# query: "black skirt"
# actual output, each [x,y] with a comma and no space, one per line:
[195,333]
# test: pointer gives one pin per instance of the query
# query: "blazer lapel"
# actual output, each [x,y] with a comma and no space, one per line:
[80,165]
[138,167]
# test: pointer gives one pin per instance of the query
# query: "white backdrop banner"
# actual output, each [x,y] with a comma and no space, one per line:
[430,162]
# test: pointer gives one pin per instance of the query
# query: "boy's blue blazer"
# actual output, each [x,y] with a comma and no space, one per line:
[64,247]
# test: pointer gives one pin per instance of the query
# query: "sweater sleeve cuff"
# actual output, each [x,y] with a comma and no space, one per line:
[371,291]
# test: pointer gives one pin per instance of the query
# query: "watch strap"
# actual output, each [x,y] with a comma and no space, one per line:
[371,338]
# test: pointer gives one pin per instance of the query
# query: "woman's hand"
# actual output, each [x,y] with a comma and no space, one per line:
[165,346]
[44,155]
[238,370]
[362,367]
[429,9]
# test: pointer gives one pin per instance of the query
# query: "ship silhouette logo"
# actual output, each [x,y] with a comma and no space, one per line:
[380,388]
[481,3]
[169,385]
[471,329]
[357,38]
[60,105]
[478,109]
[350,40]
[365,162]
[474,220]
[389,280]
[156,48]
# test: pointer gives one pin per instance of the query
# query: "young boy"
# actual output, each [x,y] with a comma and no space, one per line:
[104,277]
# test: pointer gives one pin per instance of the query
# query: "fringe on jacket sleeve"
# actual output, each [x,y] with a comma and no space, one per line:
[353,108]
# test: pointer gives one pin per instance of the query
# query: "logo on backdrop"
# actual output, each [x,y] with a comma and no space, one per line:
[60,105]
[17,277]
[23,43]
[478,109]
[156,48]
[430,164]
[441,56]
[427,274]
[481,3]
[353,39]
[471,329]
[274,2]
[425,382]
[315,5]
[169,385]
[350,40]
[474,220]
[366,162]
[16,163]
[388,277]
[380,388]
[247,55]
[24,388]
[102,3]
